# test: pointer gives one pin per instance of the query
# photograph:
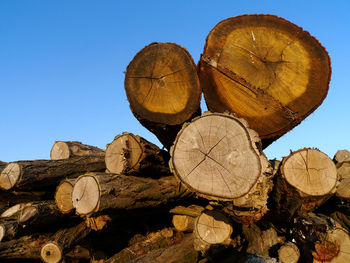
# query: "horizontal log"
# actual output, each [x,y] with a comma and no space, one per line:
[96,192]
[69,149]
[40,174]
[63,195]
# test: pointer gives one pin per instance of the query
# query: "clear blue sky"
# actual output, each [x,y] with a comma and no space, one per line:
[62,63]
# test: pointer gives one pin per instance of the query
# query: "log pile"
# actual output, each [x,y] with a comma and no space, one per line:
[210,194]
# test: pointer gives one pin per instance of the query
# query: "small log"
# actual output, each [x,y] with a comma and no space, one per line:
[192,210]
[96,192]
[306,179]
[153,241]
[8,229]
[10,198]
[63,195]
[133,155]
[341,156]
[183,223]
[212,227]
[165,93]
[288,253]
[65,150]
[263,68]
[217,157]
[182,252]
[40,174]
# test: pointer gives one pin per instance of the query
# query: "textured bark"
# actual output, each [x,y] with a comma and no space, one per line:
[166,92]
[63,195]
[153,241]
[182,252]
[133,155]
[321,239]
[65,150]
[8,229]
[39,174]
[273,91]
[96,192]
[307,178]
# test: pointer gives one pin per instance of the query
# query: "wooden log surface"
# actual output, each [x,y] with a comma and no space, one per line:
[307,178]
[63,195]
[288,253]
[68,149]
[166,92]
[96,192]
[133,155]
[38,174]
[341,156]
[263,68]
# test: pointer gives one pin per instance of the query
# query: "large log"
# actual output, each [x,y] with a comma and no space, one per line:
[96,192]
[42,174]
[133,155]
[65,150]
[266,70]
[217,157]
[163,89]
[307,178]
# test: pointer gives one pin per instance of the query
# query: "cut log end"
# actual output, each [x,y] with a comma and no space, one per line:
[10,175]
[51,253]
[119,157]
[215,156]
[12,210]
[85,195]
[212,227]
[162,85]
[310,171]
[288,253]
[342,156]
[60,150]
[183,223]
[63,196]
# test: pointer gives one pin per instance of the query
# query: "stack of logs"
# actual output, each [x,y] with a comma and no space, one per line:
[210,195]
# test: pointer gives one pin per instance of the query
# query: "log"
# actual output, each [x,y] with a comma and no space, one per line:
[166,92]
[307,178]
[156,240]
[184,218]
[2,165]
[133,155]
[8,229]
[263,68]
[63,195]
[321,239]
[182,252]
[65,150]
[341,156]
[212,227]
[96,192]
[42,174]
[216,156]
[288,253]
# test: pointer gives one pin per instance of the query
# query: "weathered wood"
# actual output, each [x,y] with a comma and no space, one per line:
[307,178]
[153,241]
[183,223]
[321,239]
[133,155]
[65,150]
[39,174]
[8,229]
[192,210]
[341,156]
[165,92]
[263,68]
[288,253]
[182,252]
[95,192]
[63,195]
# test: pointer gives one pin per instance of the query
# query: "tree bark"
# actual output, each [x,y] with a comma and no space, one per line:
[96,192]
[166,92]
[63,195]
[133,155]
[216,156]
[263,68]
[42,174]
[8,229]
[65,150]
[306,179]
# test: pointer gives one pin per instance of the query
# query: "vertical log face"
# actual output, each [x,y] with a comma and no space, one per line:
[342,156]
[65,150]
[63,195]
[28,175]
[288,253]
[163,89]
[216,157]
[132,154]
[266,70]
[307,178]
